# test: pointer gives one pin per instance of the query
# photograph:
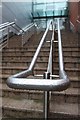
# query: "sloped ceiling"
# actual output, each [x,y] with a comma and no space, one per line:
[19,12]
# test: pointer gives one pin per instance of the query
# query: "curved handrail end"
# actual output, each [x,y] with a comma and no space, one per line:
[38,84]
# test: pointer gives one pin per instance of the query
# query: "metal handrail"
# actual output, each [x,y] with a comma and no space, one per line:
[78,21]
[21,82]
[19,30]
[50,61]
[6,25]
[30,69]
[29,26]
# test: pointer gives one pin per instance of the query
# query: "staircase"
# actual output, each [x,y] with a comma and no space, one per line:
[29,104]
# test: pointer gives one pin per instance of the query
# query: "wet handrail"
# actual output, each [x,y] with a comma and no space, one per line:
[20,80]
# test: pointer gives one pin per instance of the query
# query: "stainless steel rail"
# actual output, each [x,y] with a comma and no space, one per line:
[7,25]
[29,26]
[5,29]
[48,75]
[20,81]
[3,24]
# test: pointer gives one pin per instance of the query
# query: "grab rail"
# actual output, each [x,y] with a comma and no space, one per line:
[2,26]
[7,24]
[20,80]
[5,30]
[29,26]
[6,27]
[30,69]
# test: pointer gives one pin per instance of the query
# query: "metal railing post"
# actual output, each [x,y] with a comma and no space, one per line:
[8,35]
[23,39]
[52,48]
[46,98]
[61,63]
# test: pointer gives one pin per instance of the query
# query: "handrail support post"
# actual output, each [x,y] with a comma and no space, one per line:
[8,28]
[46,98]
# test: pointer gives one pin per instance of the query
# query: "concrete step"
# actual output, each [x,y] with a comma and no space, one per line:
[31,38]
[28,47]
[75,81]
[14,70]
[71,95]
[44,48]
[66,54]
[24,59]
[15,41]
[71,72]
[27,55]
[41,58]
[38,70]
[46,53]
[67,64]
[24,50]
[25,63]
[23,108]
[36,38]
[68,49]
[40,62]
[69,38]
[68,58]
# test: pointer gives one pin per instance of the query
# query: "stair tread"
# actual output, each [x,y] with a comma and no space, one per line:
[41,54]
[13,67]
[69,91]
[45,49]
[24,48]
[71,77]
[70,69]
[24,105]
[6,88]
[77,78]
[41,61]
[22,67]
